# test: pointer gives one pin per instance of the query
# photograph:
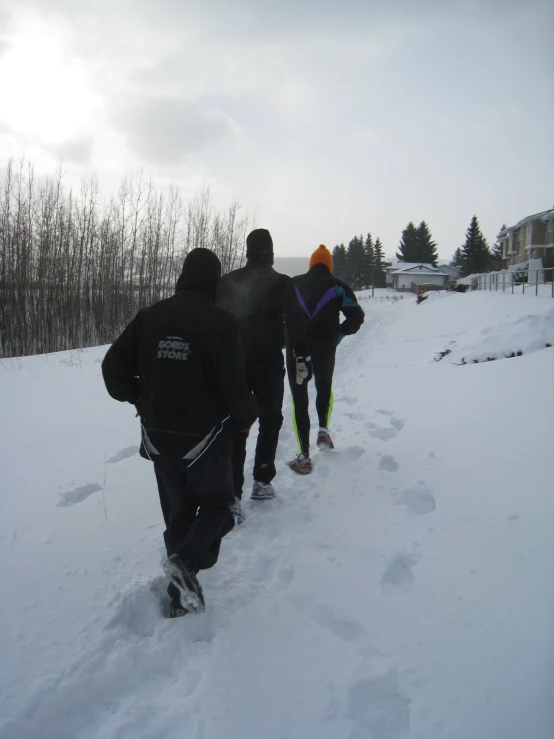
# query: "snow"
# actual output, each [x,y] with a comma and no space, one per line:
[402,590]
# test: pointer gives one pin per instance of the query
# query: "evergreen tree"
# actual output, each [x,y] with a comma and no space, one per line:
[379,267]
[426,247]
[457,259]
[339,262]
[497,258]
[369,258]
[408,248]
[476,255]
[355,258]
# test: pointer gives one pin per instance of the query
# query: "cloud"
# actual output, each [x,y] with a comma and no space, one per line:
[78,151]
[164,130]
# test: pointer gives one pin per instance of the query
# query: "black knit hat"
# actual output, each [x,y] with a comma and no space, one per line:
[259,246]
[201,272]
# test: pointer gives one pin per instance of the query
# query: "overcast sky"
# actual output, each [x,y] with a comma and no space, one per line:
[327,119]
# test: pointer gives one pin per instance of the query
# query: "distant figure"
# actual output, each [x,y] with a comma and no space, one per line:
[322,298]
[180,363]
[263,301]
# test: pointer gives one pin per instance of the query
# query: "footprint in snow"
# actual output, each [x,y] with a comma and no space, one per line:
[343,628]
[397,423]
[388,463]
[383,434]
[399,576]
[385,412]
[377,708]
[129,451]
[72,497]
[349,399]
[355,416]
[354,452]
[418,500]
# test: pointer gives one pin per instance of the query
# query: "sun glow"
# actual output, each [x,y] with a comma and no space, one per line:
[43,89]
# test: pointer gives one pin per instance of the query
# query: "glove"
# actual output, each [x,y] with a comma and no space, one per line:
[245,432]
[304,370]
[340,337]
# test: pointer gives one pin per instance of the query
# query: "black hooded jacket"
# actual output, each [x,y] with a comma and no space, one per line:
[181,362]
[322,298]
[263,301]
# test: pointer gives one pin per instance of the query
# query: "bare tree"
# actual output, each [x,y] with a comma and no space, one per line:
[74,270]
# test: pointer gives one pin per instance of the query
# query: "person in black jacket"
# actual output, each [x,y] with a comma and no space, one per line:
[322,298]
[180,362]
[263,301]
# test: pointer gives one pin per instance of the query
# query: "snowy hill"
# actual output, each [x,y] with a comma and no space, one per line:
[405,589]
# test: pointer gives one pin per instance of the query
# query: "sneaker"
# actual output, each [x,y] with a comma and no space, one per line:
[262,491]
[190,592]
[236,510]
[302,464]
[324,440]
[176,610]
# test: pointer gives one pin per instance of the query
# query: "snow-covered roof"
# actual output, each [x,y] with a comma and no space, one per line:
[403,266]
[425,269]
[543,216]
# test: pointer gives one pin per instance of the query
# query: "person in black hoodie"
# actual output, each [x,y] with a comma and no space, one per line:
[263,301]
[322,298]
[180,362]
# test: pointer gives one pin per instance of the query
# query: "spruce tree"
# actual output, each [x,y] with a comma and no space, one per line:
[380,279]
[369,258]
[457,259]
[339,262]
[408,248]
[426,247]
[355,259]
[497,258]
[476,255]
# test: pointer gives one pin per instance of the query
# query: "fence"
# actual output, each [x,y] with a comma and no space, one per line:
[526,281]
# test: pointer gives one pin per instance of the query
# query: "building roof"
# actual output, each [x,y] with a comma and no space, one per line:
[543,215]
[426,269]
[403,266]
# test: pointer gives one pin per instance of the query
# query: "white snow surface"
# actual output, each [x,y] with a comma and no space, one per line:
[404,589]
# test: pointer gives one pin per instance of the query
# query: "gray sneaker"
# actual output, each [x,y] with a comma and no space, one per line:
[324,440]
[190,592]
[262,491]
[236,510]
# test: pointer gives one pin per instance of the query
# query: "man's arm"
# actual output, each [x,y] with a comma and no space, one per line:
[231,372]
[120,366]
[295,319]
[353,313]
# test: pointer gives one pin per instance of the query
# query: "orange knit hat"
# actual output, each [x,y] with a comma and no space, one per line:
[322,255]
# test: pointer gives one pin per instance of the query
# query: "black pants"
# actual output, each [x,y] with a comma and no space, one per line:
[267,382]
[195,504]
[322,352]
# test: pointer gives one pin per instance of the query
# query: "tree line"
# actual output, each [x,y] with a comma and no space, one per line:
[75,268]
[360,264]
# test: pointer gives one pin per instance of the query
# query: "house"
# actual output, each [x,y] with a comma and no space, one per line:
[531,238]
[402,275]
[454,273]
[395,266]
